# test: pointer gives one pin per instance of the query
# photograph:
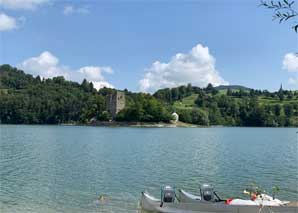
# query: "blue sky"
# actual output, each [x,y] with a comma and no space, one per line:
[134,44]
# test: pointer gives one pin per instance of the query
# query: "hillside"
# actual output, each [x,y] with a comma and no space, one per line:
[232,105]
[25,99]
[232,87]
[189,101]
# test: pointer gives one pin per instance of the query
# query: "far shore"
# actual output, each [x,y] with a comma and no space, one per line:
[178,124]
[123,124]
[141,124]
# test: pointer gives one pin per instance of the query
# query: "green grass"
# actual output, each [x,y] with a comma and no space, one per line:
[272,101]
[189,102]
[224,91]
[3,91]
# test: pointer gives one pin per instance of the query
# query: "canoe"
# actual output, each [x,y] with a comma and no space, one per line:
[266,200]
[186,197]
[152,204]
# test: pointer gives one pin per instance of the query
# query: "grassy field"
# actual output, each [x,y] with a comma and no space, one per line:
[267,100]
[189,102]
[3,91]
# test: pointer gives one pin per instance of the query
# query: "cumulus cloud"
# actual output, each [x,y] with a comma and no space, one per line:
[69,9]
[196,67]
[293,81]
[101,84]
[47,65]
[290,62]
[22,4]
[95,75]
[7,23]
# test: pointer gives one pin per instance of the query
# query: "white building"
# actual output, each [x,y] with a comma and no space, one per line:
[175,117]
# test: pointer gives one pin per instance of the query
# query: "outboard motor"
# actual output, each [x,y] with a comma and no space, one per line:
[167,195]
[207,193]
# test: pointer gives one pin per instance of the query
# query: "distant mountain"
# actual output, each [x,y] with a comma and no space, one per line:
[232,87]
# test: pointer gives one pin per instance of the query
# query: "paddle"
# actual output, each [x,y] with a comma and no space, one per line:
[219,199]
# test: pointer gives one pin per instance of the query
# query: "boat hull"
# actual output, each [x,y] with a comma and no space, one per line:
[185,197]
[152,204]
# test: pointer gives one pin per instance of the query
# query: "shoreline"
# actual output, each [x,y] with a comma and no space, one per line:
[142,124]
[146,125]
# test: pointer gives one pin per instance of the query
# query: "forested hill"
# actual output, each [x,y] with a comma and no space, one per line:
[232,105]
[25,99]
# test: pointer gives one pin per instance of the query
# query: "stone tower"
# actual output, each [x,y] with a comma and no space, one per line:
[115,102]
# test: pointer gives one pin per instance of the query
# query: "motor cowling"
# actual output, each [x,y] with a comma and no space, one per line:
[168,194]
[207,193]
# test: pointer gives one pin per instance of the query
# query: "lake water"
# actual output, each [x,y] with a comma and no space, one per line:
[66,168]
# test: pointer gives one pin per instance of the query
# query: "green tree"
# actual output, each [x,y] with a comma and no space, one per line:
[229,92]
[277,109]
[200,117]
[288,109]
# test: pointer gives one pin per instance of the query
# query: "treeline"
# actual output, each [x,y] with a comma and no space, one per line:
[145,108]
[234,107]
[25,99]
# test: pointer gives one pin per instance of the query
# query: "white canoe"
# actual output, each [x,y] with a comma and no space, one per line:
[266,200]
[186,197]
[151,204]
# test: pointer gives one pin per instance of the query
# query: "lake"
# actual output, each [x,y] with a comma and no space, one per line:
[66,168]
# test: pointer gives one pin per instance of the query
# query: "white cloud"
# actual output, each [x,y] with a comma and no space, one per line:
[95,75]
[290,62]
[101,84]
[197,67]
[69,9]
[47,65]
[22,4]
[293,81]
[7,23]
